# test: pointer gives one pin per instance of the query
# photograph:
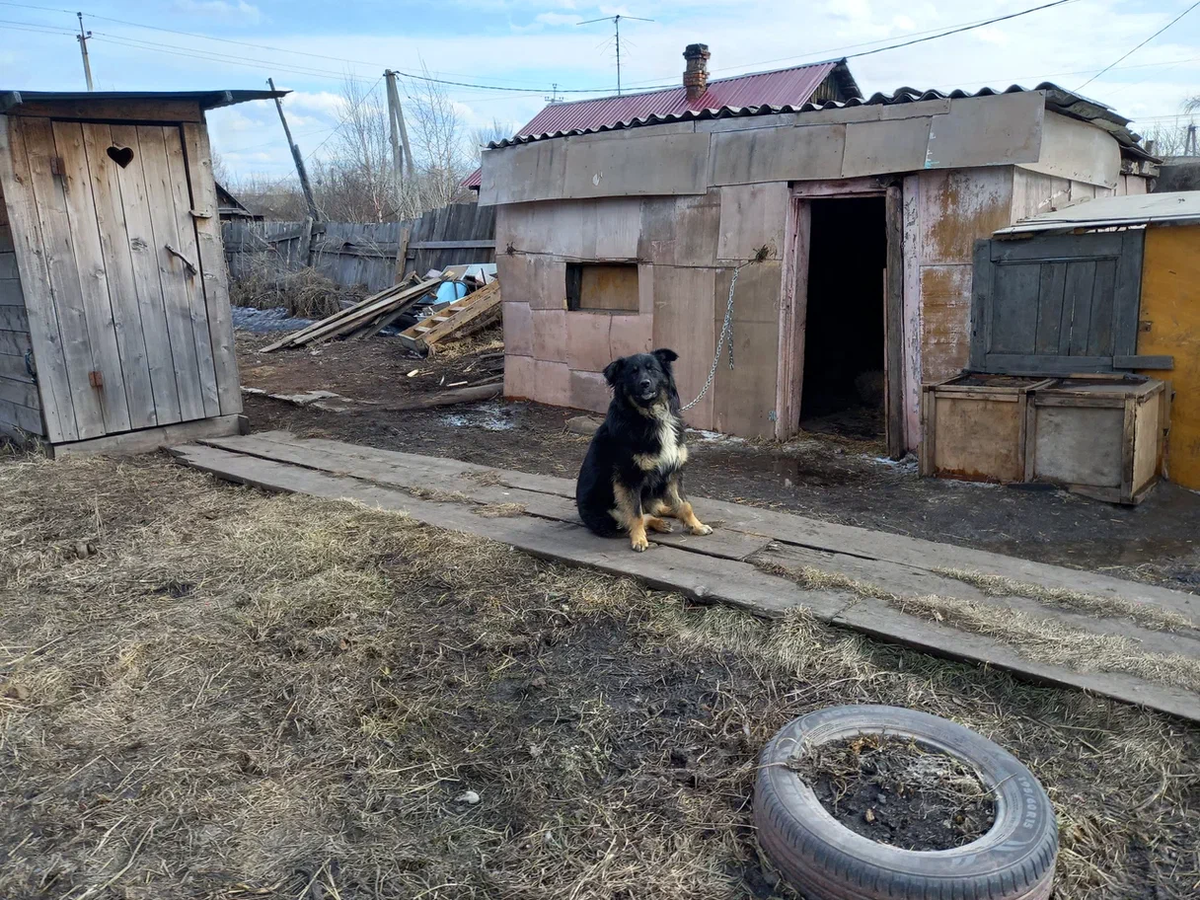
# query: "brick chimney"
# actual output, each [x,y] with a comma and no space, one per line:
[695,76]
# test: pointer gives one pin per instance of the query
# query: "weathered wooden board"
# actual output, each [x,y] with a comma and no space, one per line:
[195,378]
[147,439]
[257,461]
[188,268]
[54,289]
[117,268]
[211,263]
[704,578]
[84,238]
[804,532]
[146,284]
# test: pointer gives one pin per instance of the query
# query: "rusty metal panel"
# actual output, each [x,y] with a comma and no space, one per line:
[959,207]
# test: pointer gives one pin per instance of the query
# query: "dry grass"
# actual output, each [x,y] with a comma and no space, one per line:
[1033,637]
[304,293]
[246,695]
[483,341]
[1144,614]
[1047,640]
[487,477]
[438,496]
[500,510]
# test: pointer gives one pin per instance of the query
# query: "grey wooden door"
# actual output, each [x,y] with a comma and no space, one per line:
[1056,304]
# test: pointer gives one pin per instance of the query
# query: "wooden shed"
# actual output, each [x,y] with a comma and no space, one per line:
[851,222]
[1148,247]
[115,327]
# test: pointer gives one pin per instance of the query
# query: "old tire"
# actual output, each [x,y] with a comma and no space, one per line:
[827,861]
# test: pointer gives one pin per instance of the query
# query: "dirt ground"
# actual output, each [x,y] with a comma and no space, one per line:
[828,477]
[207,692]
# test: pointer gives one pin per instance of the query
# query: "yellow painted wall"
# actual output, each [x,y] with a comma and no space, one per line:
[1171,304]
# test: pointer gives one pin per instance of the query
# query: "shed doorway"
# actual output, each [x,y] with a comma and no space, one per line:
[843,390]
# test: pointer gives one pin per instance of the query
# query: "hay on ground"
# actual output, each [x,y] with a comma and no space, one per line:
[304,293]
[240,695]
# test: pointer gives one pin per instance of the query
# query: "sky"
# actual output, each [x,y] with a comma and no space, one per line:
[516,52]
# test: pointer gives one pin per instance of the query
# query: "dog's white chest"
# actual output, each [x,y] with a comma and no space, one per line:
[672,452]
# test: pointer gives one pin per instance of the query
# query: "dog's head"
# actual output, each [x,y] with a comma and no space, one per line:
[643,379]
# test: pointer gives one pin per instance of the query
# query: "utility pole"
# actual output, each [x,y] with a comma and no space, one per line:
[401,152]
[554,98]
[82,37]
[299,160]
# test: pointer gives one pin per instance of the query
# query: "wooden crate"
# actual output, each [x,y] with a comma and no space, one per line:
[1098,436]
[974,427]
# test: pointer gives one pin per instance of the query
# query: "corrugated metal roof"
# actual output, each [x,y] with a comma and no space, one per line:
[777,88]
[783,86]
[1114,212]
[206,99]
[1057,100]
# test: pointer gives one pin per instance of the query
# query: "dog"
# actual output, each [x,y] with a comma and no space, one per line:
[632,476]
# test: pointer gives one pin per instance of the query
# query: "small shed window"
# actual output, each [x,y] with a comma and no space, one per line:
[602,287]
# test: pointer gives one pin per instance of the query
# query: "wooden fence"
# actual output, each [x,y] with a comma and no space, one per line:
[363,254]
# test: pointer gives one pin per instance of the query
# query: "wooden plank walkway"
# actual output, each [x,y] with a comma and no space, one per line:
[1132,642]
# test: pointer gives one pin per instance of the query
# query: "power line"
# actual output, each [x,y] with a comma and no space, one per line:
[1139,46]
[933,33]
[229,59]
[475,85]
[961,29]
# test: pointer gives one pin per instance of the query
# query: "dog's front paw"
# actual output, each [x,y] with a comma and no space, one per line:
[700,528]
[639,543]
[660,525]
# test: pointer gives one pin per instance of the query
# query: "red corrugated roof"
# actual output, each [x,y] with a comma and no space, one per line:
[782,87]
[779,88]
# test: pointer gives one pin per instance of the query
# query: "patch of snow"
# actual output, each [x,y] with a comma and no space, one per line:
[908,464]
[489,417]
[715,436]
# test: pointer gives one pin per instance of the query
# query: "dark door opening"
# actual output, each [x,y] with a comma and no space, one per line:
[843,387]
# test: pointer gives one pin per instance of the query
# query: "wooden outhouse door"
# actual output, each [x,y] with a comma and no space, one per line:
[114,207]
[1058,304]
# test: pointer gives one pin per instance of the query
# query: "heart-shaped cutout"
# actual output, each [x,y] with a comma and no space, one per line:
[122,156]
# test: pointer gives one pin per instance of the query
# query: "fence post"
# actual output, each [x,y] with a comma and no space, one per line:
[304,250]
[402,251]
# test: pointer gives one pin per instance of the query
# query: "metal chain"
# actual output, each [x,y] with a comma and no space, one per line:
[726,332]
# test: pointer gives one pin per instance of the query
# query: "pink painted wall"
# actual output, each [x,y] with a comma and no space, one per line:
[686,249]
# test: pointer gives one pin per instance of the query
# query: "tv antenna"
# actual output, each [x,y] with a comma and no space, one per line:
[616,20]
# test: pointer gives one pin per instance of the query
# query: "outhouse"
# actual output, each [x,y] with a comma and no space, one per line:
[115,327]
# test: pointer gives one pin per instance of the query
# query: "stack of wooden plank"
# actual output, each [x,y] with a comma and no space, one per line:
[362,319]
[461,318]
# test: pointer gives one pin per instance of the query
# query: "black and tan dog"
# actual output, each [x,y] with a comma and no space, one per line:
[632,475]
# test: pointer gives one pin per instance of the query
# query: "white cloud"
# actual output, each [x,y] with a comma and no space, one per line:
[239,11]
[324,103]
[553,18]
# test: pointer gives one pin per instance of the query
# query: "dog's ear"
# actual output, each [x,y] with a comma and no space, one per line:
[613,371]
[665,356]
